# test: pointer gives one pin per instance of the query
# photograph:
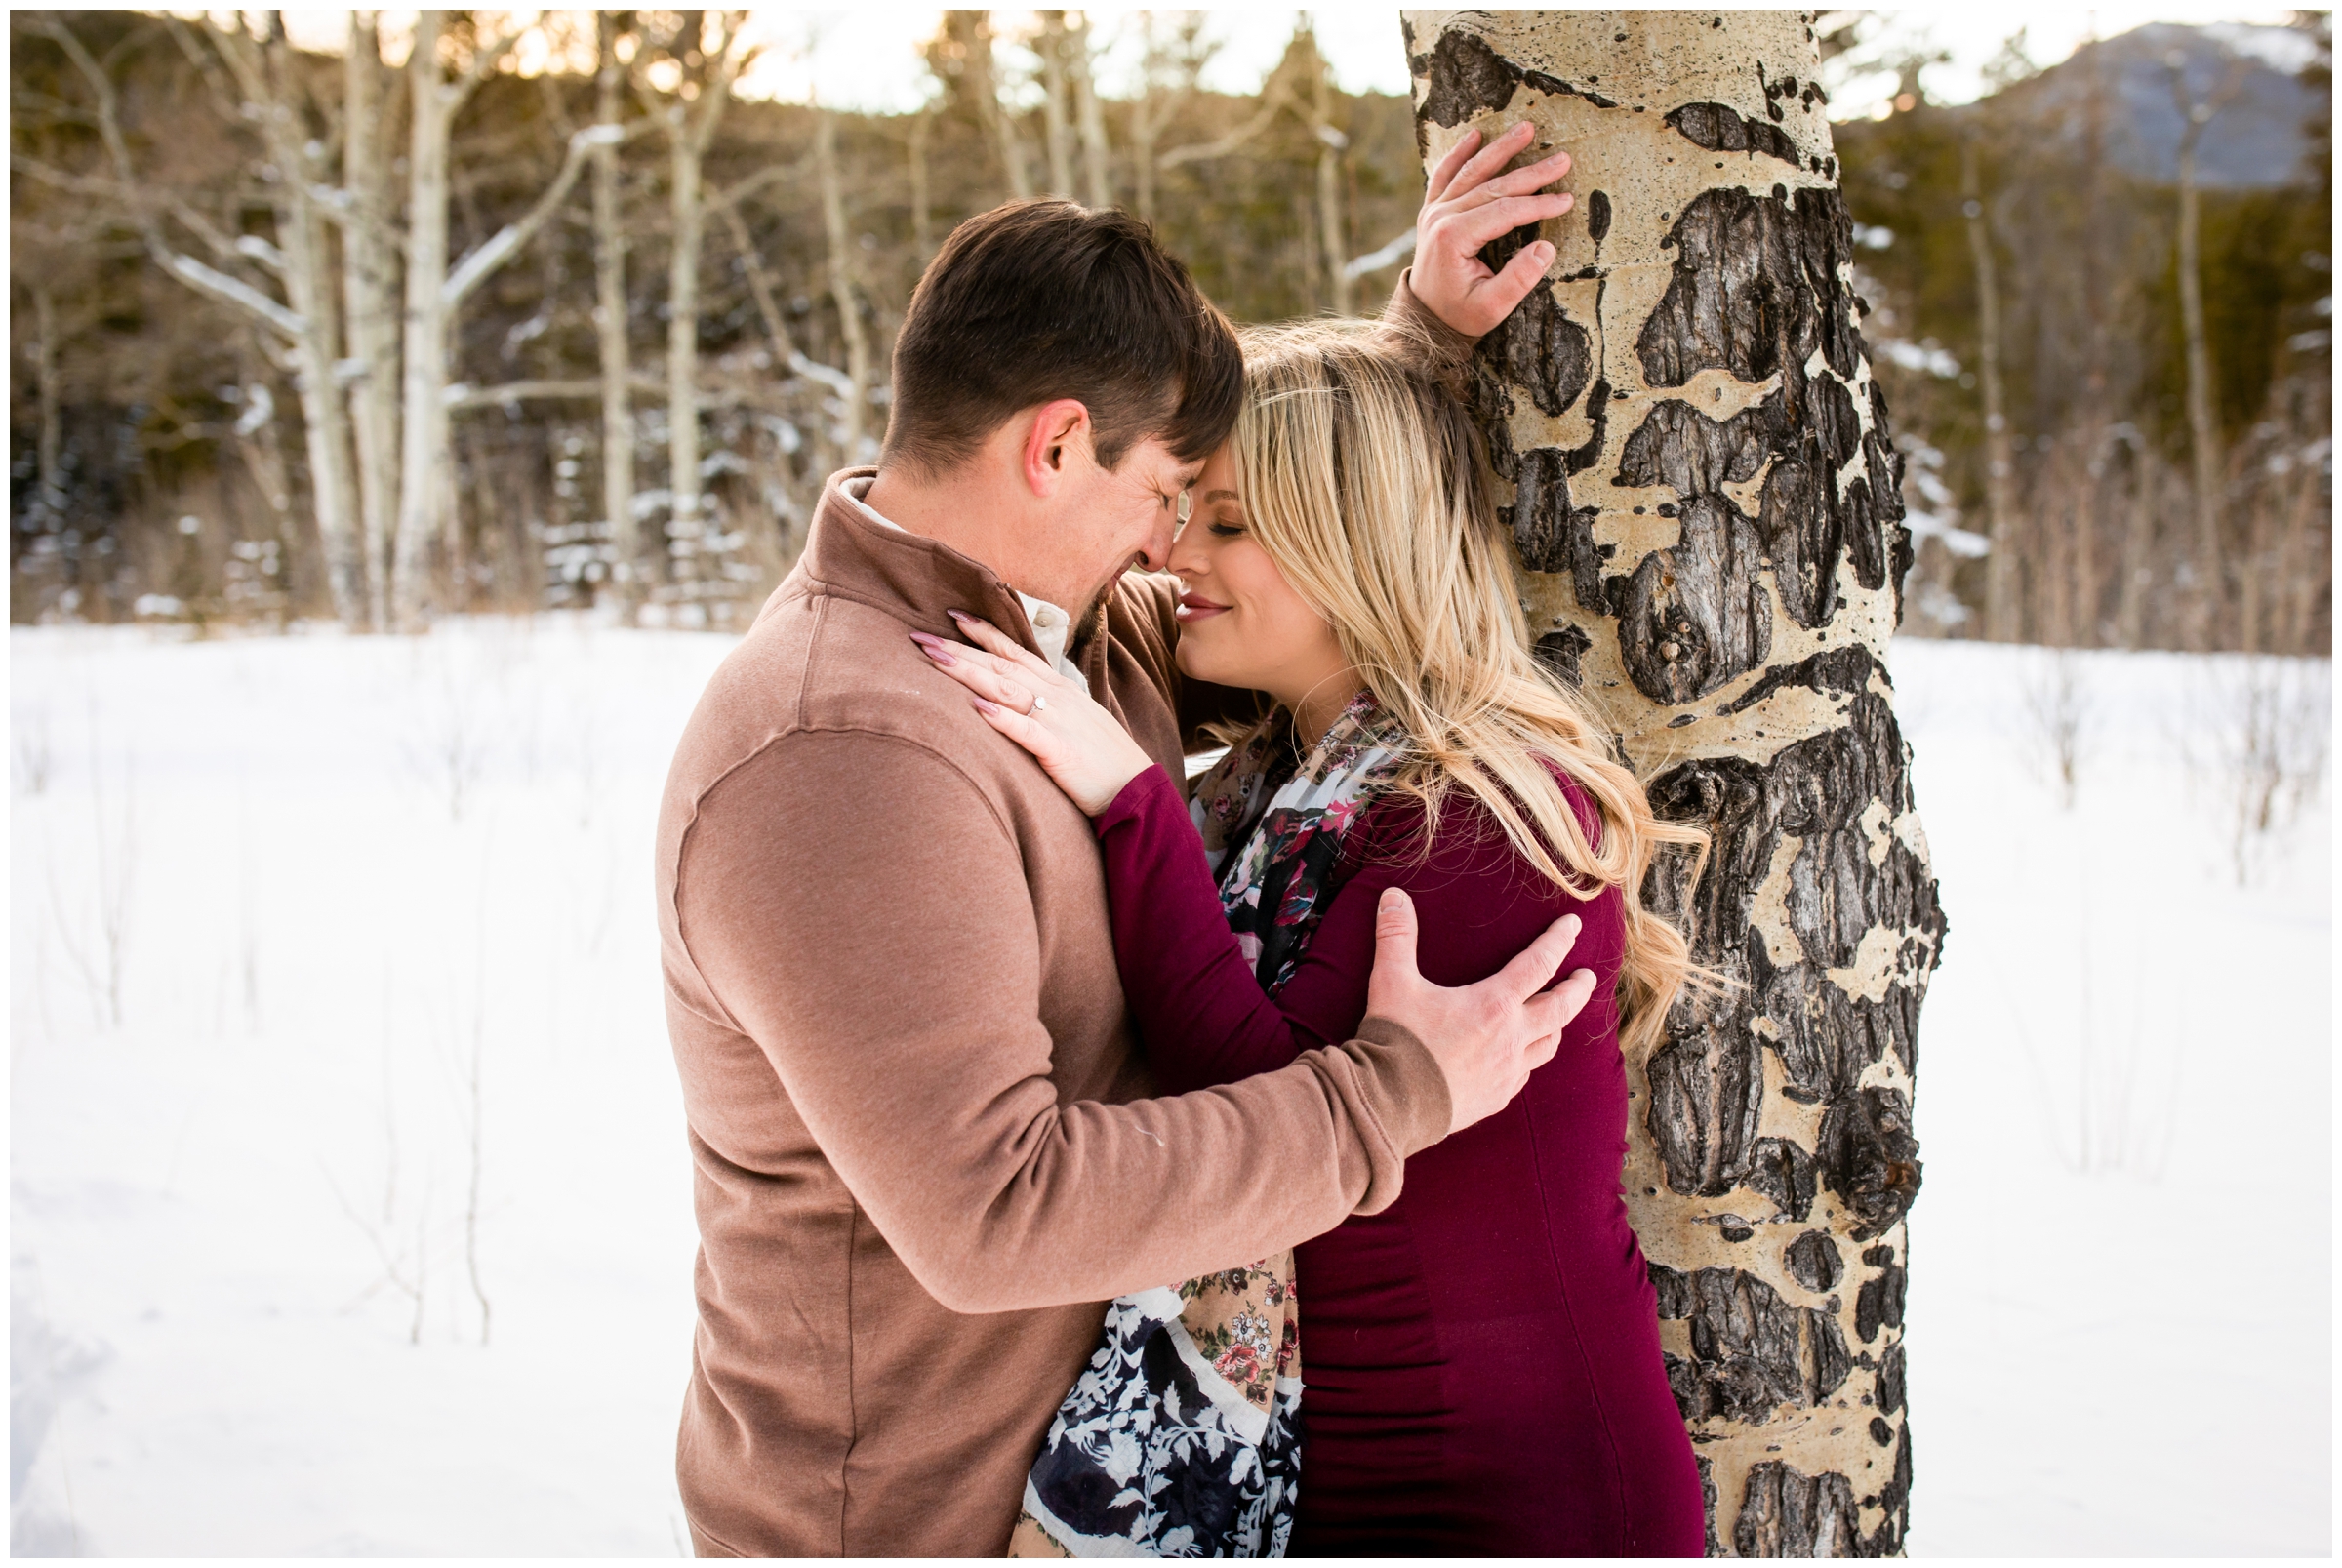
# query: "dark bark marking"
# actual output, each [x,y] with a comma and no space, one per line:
[1559,652]
[1700,1117]
[1678,446]
[1879,1302]
[1869,1158]
[1719,129]
[1748,1358]
[1890,1378]
[1597,216]
[1895,1499]
[1537,349]
[1814,1262]
[1464,77]
[1755,289]
[1696,616]
[1784,1172]
[1788,1513]
[1827,1361]
[1707,1093]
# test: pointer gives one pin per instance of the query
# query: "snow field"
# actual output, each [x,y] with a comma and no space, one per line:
[351,878]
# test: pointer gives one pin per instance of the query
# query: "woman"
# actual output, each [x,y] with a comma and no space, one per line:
[1484,1373]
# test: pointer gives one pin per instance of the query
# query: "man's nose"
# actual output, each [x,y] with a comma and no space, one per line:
[1156,551]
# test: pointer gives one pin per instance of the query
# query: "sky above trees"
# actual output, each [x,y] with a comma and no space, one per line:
[868,59]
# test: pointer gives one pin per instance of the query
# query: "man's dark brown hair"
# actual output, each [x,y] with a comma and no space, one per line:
[1042,300]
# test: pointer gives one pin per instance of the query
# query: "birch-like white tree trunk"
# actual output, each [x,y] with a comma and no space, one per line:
[1097,154]
[1056,122]
[369,280]
[1697,469]
[435,292]
[855,396]
[2003,622]
[306,321]
[609,327]
[690,126]
[2204,427]
[423,433]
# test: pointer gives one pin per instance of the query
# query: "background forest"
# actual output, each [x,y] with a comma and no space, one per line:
[393,333]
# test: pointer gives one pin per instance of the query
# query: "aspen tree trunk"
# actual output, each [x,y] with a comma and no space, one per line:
[856,397]
[610,330]
[423,433]
[1332,236]
[922,219]
[690,128]
[1054,117]
[264,69]
[2003,622]
[683,338]
[1697,469]
[52,450]
[2203,435]
[1096,169]
[983,86]
[368,267]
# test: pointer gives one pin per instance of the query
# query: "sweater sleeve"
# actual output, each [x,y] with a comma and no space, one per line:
[851,902]
[1201,1011]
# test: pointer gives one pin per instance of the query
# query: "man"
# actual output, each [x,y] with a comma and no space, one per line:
[924,1146]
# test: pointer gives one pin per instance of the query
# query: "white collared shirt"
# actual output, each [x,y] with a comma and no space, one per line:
[1051,626]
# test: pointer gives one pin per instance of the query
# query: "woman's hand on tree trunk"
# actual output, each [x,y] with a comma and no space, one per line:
[1466,204]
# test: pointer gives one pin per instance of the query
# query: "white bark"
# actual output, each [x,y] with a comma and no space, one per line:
[855,396]
[610,329]
[423,446]
[1097,155]
[369,268]
[688,129]
[2003,622]
[1700,480]
[1054,116]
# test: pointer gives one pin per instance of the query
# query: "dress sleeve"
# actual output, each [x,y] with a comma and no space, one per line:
[1202,1014]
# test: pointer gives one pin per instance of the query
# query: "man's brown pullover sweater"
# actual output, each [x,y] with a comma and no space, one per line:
[924,1145]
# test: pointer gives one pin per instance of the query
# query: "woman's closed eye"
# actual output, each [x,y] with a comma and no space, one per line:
[1223,529]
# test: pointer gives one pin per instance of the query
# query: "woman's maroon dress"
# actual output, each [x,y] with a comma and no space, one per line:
[1482,1358]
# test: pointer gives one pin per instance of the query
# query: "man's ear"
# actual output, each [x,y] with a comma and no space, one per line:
[1059,431]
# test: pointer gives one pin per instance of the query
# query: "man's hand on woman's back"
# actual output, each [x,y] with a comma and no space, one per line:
[1490,1037]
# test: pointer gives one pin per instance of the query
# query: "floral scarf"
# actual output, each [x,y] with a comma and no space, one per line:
[1181,1438]
[1272,827]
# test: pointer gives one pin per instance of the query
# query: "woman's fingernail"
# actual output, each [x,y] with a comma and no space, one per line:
[960,616]
[938,652]
[985,706]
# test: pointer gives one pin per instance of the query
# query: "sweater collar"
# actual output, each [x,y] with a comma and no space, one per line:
[852,552]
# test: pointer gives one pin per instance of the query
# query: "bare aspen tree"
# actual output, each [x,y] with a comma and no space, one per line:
[2204,431]
[690,123]
[435,292]
[306,321]
[856,396]
[369,280]
[1333,239]
[1696,466]
[610,325]
[1097,155]
[983,88]
[2002,620]
[923,212]
[51,450]
[1176,53]
[1057,123]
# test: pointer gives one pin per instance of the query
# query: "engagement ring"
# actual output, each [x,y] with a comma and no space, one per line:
[1038,703]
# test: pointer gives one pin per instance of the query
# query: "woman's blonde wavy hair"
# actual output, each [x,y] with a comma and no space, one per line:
[1362,479]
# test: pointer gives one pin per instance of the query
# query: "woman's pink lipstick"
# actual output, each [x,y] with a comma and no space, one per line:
[1194,607]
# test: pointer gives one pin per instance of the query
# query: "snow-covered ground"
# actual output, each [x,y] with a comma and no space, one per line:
[350,1210]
